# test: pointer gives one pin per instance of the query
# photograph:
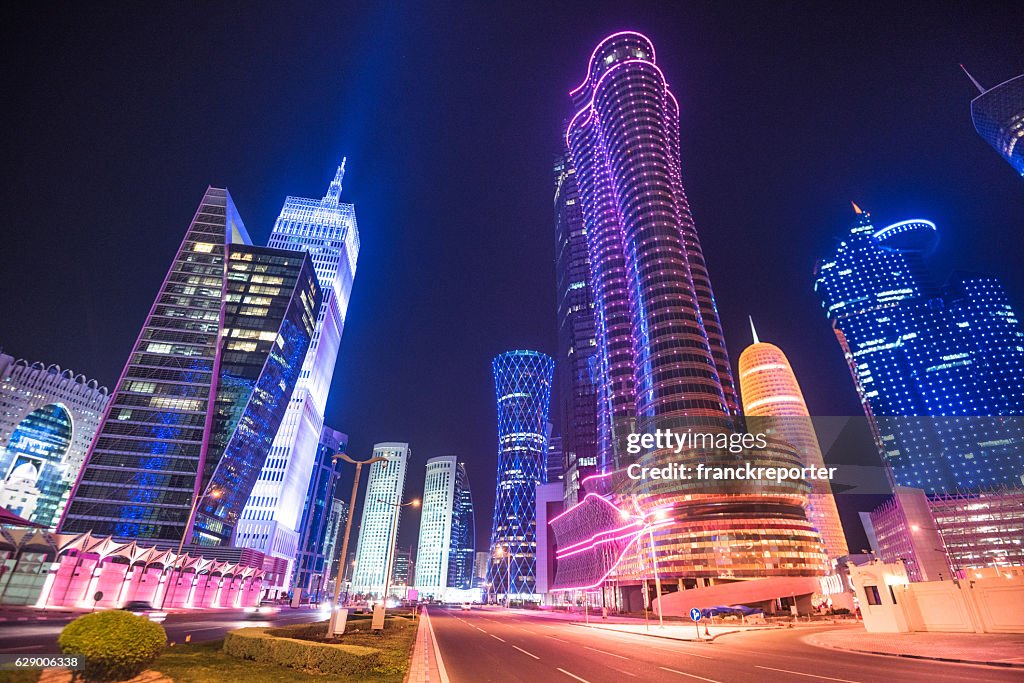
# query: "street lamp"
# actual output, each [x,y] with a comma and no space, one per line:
[348,530]
[188,525]
[415,502]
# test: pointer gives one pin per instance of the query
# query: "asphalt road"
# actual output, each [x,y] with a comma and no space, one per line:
[40,637]
[505,646]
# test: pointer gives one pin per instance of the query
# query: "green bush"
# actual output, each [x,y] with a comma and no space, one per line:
[256,644]
[116,645]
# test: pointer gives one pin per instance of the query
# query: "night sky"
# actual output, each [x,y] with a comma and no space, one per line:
[118,117]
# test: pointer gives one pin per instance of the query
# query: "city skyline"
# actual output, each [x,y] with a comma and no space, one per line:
[784,204]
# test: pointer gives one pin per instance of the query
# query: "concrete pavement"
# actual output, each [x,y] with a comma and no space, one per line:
[507,646]
[997,649]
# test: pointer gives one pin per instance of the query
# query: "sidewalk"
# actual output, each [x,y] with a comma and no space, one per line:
[426,665]
[23,613]
[994,649]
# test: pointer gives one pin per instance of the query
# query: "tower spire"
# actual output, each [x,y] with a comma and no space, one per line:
[976,84]
[334,191]
[753,331]
[856,209]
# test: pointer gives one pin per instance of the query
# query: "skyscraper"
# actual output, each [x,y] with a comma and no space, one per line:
[48,418]
[998,116]
[384,491]
[325,229]
[940,372]
[577,342]
[444,557]
[522,384]
[315,547]
[661,360]
[204,390]
[774,405]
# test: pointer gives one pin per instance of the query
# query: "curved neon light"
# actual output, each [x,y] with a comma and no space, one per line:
[589,106]
[895,227]
[616,563]
[590,62]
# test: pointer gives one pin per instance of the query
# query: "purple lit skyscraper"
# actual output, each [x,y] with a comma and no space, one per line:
[660,346]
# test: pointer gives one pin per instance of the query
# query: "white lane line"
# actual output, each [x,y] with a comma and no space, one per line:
[626,672]
[497,638]
[801,673]
[681,652]
[441,671]
[574,676]
[524,651]
[561,640]
[604,652]
[480,629]
[683,673]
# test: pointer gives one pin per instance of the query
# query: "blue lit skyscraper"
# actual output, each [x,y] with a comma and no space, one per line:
[326,229]
[522,383]
[204,391]
[998,115]
[940,371]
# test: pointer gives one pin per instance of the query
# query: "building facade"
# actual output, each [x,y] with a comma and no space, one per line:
[315,547]
[207,385]
[378,531]
[774,405]
[447,540]
[336,519]
[325,229]
[577,342]
[522,383]
[48,418]
[998,116]
[940,371]
[661,361]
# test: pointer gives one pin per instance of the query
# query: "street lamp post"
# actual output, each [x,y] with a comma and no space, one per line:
[188,525]
[415,502]
[348,530]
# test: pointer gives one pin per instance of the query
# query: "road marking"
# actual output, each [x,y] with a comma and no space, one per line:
[683,673]
[480,629]
[496,637]
[801,673]
[441,671]
[681,652]
[522,650]
[562,640]
[626,672]
[604,652]
[574,676]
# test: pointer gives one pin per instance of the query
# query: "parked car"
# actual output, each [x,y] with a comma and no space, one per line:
[143,608]
[466,606]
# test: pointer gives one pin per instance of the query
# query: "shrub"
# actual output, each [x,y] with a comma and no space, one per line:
[116,645]
[256,644]
[840,610]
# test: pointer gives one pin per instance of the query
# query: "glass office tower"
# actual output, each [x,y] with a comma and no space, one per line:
[326,229]
[204,390]
[385,488]
[315,547]
[940,371]
[48,418]
[522,384]
[577,341]
[998,116]
[444,557]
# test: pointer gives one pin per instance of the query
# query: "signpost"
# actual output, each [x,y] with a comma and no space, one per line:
[695,615]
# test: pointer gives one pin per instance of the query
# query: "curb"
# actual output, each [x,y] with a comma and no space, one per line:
[975,662]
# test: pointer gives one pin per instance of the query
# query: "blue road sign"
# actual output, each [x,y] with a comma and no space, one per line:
[695,614]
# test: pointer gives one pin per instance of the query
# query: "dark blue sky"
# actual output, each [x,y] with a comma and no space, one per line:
[118,117]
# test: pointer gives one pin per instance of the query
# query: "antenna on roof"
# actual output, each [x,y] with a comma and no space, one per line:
[752,330]
[976,84]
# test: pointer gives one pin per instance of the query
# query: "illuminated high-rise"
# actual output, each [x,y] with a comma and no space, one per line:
[204,390]
[522,385]
[998,115]
[48,418]
[444,558]
[774,405]
[376,546]
[940,371]
[577,343]
[661,360]
[325,229]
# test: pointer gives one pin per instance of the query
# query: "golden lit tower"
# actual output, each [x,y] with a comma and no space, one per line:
[772,396]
